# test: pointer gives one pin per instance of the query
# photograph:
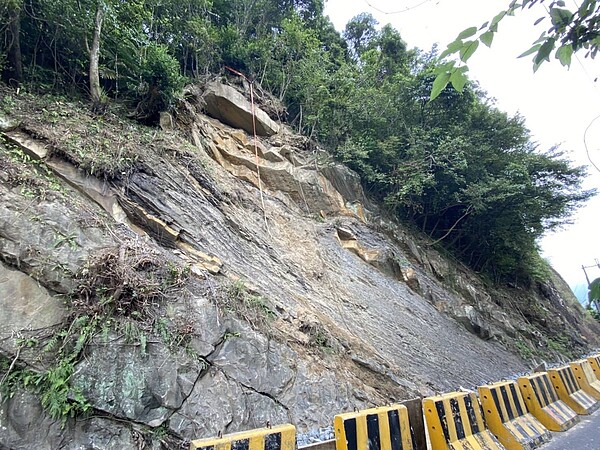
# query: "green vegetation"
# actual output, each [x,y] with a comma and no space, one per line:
[562,346]
[458,169]
[119,292]
[32,177]
[594,314]
[594,291]
[524,350]
[58,397]
[235,298]
[569,32]
[318,336]
[593,305]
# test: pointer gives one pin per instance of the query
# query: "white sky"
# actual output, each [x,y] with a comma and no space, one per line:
[558,104]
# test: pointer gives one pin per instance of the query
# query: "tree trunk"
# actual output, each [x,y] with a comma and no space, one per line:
[15,61]
[95,91]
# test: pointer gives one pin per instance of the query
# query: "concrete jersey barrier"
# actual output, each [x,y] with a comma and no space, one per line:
[282,437]
[385,428]
[570,392]
[543,402]
[582,369]
[595,363]
[454,421]
[518,416]
[507,417]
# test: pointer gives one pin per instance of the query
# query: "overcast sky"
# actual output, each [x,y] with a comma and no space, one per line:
[558,104]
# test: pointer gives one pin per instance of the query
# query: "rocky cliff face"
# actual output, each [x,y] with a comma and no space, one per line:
[163,285]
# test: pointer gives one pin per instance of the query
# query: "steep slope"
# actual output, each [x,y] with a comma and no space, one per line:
[184,293]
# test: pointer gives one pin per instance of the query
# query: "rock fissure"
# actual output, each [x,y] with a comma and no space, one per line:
[201,374]
[206,359]
[368,312]
[256,391]
[267,395]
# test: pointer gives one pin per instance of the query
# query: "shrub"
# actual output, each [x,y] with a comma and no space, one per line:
[126,281]
[160,82]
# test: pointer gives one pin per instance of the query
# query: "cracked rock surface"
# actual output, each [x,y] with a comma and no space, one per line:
[300,299]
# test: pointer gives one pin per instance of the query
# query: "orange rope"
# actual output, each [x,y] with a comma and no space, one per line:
[262,199]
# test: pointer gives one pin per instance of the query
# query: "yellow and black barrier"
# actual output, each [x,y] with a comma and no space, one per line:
[281,437]
[455,421]
[507,417]
[595,363]
[543,402]
[582,369]
[385,428]
[568,391]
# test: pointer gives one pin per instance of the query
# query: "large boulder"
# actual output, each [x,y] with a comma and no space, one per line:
[344,180]
[27,310]
[24,304]
[229,106]
[146,386]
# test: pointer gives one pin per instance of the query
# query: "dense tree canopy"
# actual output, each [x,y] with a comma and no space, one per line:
[460,170]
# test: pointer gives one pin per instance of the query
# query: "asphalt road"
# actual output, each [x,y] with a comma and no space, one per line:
[583,436]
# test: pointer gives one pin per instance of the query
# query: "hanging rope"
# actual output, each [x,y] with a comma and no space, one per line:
[257,160]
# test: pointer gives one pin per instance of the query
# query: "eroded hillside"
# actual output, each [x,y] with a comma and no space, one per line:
[156,287]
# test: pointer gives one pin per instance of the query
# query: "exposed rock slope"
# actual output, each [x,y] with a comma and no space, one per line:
[230,297]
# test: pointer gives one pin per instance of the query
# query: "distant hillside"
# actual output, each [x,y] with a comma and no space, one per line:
[581,292]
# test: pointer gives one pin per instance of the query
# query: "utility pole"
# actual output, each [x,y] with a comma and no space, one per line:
[589,267]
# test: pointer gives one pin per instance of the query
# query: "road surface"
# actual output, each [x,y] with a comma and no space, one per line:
[583,436]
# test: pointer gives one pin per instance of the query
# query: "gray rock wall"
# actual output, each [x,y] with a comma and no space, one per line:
[336,307]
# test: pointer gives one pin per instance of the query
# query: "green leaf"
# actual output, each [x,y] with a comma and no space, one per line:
[445,67]
[594,290]
[485,24]
[543,53]
[439,84]
[459,79]
[487,38]
[541,39]
[533,49]
[564,54]
[468,49]
[512,8]
[539,20]
[561,17]
[467,33]
[586,8]
[453,47]
[496,20]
